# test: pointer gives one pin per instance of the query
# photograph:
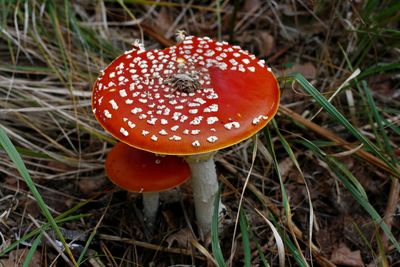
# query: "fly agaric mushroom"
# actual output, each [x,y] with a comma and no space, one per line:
[137,170]
[190,99]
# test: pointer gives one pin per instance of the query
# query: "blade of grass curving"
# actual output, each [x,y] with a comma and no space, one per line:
[92,234]
[215,245]
[87,244]
[338,167]
[285,199]
[246,182]
[278,240]
[379,121]
[244,229]
[218,13]
[259,250]
[310,89]
[32,250]
[54,18]
[7,145]
[281,231]
[353,186]
[379,68]
[292,156]
[37,231]
[64,217]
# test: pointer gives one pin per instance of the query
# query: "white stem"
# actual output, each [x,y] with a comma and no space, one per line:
[205,188]
[150,206]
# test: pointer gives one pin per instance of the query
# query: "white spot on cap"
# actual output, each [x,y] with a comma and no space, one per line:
[196,120]
[212,139]
[212,96]
[257,119]
[183,118]
[174,128]
[196,143]
[231,125]
[246,61]
[152,121]
[113,104]
[107,114]
[211,108]
[194,132]
[163,132]
[199,100]
[209,53]
[136,110]
[123,93]
[144,132]
[154,138]
[212,120]
[175,138]
[123,131]
[252,69]
[128,101]
[112,75]
[131,124]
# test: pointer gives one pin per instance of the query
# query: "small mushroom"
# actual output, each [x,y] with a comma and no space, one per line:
[140,171]
[191,99]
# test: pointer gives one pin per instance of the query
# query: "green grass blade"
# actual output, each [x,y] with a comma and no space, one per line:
[215,245]
[37,231]
[259,250]
[359,196]
[379,121]
[292,156]
[285,199]
[310,89]
[32,250]
[244,229]
[354,187]
[7,145]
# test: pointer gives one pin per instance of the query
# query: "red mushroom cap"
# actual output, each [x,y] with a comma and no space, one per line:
[140,171]
[195,97]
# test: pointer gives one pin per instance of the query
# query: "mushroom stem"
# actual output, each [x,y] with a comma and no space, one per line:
[150,206]
[205,188]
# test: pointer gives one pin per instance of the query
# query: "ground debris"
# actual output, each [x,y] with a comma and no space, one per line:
[344,256]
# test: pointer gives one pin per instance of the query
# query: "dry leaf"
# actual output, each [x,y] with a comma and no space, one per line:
[267,45]
[251,5]
[164,20]
[17,258]
[90,186]
[344,256]
[307,69]
[285,166]
[182,238]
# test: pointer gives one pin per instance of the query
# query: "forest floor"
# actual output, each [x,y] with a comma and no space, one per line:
[322,177]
